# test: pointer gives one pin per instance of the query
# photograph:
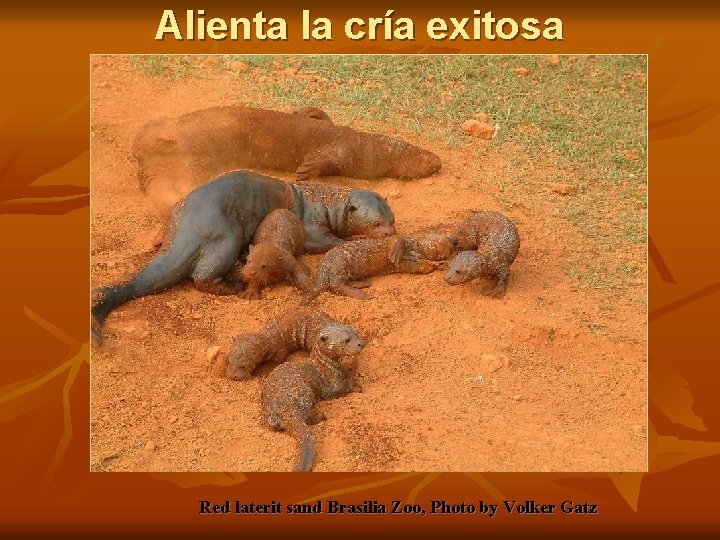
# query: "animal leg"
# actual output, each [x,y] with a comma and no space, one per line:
[214,263]
[397,251]
[320,166]
[300,276]
[252,292]
[347,290]
[497,290]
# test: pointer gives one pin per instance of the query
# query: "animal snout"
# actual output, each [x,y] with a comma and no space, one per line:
[388,230]
[359,344]
[433,163]
[237,373]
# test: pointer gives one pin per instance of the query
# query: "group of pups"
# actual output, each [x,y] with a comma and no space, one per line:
[207,231]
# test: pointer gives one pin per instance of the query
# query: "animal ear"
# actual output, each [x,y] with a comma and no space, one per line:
[250,248]
[351,208]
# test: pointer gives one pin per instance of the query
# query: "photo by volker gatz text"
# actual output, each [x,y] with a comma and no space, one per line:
[397,507]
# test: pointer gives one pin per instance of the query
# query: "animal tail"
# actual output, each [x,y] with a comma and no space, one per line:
[307,448]
[164,271]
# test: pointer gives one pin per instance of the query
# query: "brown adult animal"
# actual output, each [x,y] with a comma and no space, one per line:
[292,389]
[279,238]
[176,155]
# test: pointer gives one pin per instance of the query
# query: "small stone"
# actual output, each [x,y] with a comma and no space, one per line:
[289,72]
[553,59]
[521,71]
[517,397]
[489,363]
[478,129]
[212,352]
[394,193]
[211,60]
[631,155]
[150,446]
[563,189]
[196,315]
[173,419]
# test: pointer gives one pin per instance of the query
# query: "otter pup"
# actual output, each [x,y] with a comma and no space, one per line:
[292,389]
[295,329]
[359,259]
[488,244]
[271,258]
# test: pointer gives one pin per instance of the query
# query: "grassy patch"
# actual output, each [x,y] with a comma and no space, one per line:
[163,65]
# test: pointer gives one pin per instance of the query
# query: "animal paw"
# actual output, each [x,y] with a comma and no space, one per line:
[307,170]
[493,291]
[250,294]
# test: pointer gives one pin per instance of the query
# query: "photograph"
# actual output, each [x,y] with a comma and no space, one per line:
[368,263]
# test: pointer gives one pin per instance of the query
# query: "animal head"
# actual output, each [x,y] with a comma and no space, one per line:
[338,340]
[464,267]
[368,214]
[244,357]
[265,264]
[407,160]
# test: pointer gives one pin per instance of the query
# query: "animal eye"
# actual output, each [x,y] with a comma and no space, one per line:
[376,224]
[457,271]
[262,266]
[347,340]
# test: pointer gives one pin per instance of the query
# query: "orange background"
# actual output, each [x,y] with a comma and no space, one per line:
[44,275]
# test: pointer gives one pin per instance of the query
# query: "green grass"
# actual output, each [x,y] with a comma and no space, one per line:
[167,65]
[581,122]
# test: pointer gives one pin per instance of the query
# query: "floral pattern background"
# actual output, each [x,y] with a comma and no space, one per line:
[44,222]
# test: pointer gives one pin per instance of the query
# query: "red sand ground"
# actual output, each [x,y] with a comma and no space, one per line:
[452,381]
